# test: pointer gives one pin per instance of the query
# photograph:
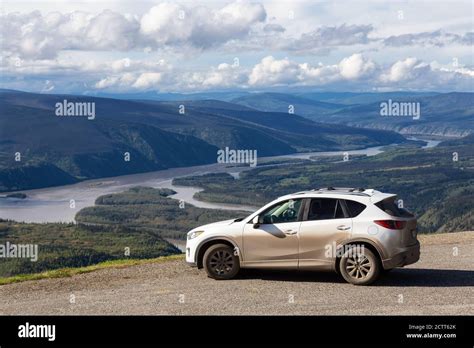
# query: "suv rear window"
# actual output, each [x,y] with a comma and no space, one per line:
[390,207]
[355,208]
[325,208]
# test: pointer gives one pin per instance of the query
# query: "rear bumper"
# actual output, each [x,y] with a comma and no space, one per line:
[407,257]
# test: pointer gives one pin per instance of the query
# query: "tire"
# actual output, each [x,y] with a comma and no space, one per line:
[220,262]
[360,266]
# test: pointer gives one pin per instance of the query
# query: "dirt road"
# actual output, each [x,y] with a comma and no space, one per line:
[441,283]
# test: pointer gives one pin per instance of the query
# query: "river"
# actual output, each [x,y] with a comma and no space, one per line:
[53,204]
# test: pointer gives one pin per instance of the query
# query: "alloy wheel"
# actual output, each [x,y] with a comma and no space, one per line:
[221,262]
[358,266]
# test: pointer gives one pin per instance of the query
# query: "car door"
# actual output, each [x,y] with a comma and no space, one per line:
[325,224]
[273,243]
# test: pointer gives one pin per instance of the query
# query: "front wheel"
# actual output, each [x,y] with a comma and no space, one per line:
[220,262]
[360,266]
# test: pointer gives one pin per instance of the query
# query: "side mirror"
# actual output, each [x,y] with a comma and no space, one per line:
[256,222]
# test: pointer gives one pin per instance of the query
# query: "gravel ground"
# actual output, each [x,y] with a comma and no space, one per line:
[440,283]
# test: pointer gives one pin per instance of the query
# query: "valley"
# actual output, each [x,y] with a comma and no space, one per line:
[139,175]
[127,137]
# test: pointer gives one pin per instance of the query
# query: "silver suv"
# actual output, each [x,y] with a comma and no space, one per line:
[358,233]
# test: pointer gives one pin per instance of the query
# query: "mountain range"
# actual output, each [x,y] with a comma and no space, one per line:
[442,114]
[39,148]
[447,114]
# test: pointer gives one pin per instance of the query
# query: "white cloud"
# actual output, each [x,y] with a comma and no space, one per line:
[111,49]
[38,36]
[200,27]
[412,73]
[223,76]
[120,64]
[125,80]
[356,66]
[355,72]
[147,80]
[436,38]
[331,36]
[319,75]
[403,70]
[166,23]
[462,71]
[272,72]
[111,31]
[273,28]
[25,67]
[126,73]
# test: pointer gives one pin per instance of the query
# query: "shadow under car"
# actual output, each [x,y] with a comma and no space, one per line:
[421,277]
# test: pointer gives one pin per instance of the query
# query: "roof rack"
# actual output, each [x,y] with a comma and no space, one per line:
[360,189]
[353,190]
[349,189]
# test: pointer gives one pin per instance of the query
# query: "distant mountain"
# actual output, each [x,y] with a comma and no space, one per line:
[449,114]
[350,98]
[154,134]
[160,96]
[314,105]
[279,102]
[342,98]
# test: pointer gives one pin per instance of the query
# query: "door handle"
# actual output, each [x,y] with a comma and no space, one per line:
[343,227]
[290,232]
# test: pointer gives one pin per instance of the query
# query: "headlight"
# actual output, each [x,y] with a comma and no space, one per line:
[194,234]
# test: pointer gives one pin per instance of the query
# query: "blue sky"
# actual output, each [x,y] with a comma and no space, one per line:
[118,46]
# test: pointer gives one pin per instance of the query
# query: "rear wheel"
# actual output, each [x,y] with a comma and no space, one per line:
[220,262]
[360,266]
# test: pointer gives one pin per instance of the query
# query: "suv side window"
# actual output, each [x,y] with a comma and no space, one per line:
[325,209]
[286,211]
[339,211]
[355,208]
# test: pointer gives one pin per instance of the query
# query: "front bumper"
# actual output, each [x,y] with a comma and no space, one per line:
[406,257]
[191,246]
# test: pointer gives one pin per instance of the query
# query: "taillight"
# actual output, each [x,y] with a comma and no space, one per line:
[391,224]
